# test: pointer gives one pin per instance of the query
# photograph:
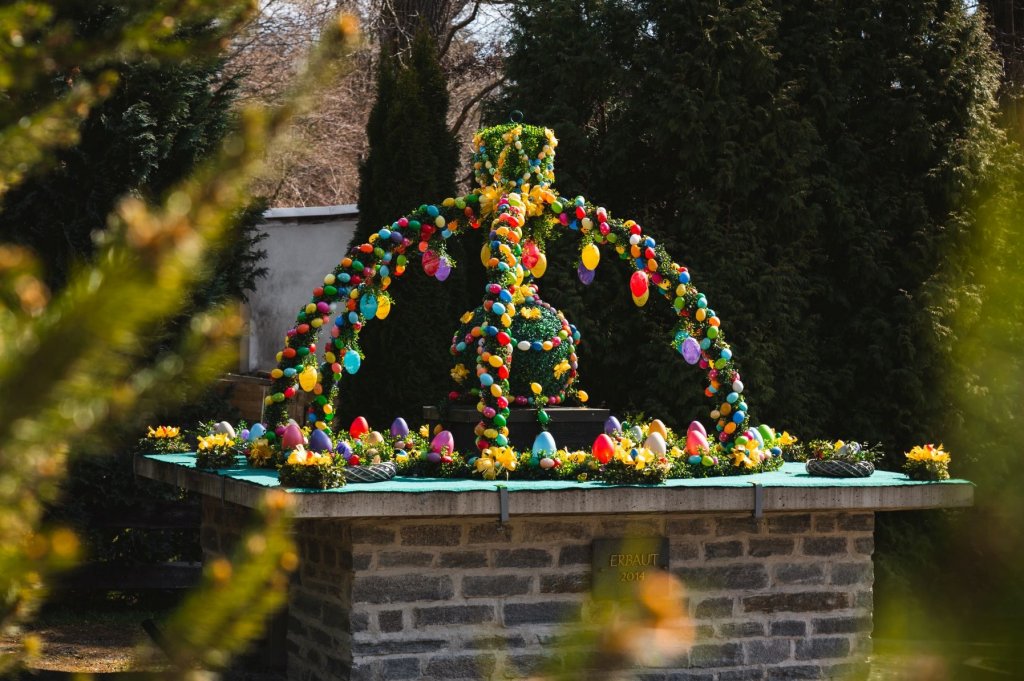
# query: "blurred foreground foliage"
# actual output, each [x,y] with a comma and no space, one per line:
[75,363]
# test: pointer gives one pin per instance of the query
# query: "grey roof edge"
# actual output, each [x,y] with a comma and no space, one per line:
[311,212]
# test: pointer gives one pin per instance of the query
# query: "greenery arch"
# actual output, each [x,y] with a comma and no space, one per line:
[515,198]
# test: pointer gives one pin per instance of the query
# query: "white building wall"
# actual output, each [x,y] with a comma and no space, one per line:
[303,245]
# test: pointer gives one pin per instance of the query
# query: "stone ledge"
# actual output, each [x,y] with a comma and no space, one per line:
[882,492]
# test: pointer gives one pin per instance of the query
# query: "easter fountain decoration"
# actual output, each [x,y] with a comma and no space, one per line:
[513,329]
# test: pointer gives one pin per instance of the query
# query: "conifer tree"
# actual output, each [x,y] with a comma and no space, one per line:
[809,164]
[412,159]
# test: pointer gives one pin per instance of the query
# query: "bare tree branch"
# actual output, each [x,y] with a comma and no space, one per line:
[453,31]
[471,102]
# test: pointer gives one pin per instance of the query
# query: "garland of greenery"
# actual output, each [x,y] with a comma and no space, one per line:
[514,165]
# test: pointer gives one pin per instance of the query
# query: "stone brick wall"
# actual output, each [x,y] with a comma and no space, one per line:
[786,597]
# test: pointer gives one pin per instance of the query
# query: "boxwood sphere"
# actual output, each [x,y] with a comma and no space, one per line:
[535,321]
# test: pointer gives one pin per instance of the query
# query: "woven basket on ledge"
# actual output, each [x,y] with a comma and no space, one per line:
[830,468]
[378,472]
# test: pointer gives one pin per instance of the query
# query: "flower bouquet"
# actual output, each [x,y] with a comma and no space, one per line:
[216,450]
[927,462]
[163,440]
[312,470]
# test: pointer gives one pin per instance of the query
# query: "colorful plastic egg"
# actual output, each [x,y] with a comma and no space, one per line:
[399,428]
[352,361]
[698,426]
[368,305]
[547,463]
[586,276]
[374,438]
[612,425]
[693,460]
[590,256]
[224,428]
[541,267]
[638,284]
[603,448]
[656,443]
[308,378]
[443,440]
[690,350]
[695,442]
[319,441]
[544,444]
[358,428]
[292,437]
[635,433]
[657,426]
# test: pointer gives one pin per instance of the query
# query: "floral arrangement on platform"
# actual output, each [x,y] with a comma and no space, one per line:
[163,440]
[312,470]
[927,462]
[840,459]
[216,450]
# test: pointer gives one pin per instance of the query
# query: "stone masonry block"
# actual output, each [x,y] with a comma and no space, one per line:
[401,588]
[805,601]
[845,574]
[789,524]
[763,547]
[574,554]
[389,559]
[857,522]
[463,559]
[460,667]
[841,625]
[390,621]
[490,533]
[767,651]
[713,608]
[553,531]
[798,573]
[802,671]
[822,648]
[731,630]
[545,612]
[789,628]
[723,549]
[689,526]
[824,522]
[748,674]
[495,586]
[372,534]
[400,668]
[716,655]
[431,535]
[684,550]
[743,576]
[824,546]
[562,583]
[522,558]
[729,526]
[447,615]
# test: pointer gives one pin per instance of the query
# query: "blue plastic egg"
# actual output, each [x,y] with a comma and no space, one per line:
[543,444]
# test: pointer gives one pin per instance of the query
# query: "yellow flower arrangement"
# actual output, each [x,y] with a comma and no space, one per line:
[216,450]
[786,439]
[459,373]
[927,462]
[301,457]
[260,453]
[163,432]
[531,313]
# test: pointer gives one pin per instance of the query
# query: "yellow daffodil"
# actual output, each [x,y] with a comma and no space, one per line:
[424,431]
[561,368]
[260,452]
[215,441]
[163,432]
[927,453]
[786,439]
[459,373]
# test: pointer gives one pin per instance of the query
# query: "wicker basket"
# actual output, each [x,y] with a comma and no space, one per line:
[831,468]
[378,472]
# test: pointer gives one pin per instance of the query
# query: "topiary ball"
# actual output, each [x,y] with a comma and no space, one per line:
[544,353]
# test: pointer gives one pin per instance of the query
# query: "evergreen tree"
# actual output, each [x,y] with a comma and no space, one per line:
[412,160]
[809,164]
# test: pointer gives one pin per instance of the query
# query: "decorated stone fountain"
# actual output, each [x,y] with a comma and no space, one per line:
[515,354]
